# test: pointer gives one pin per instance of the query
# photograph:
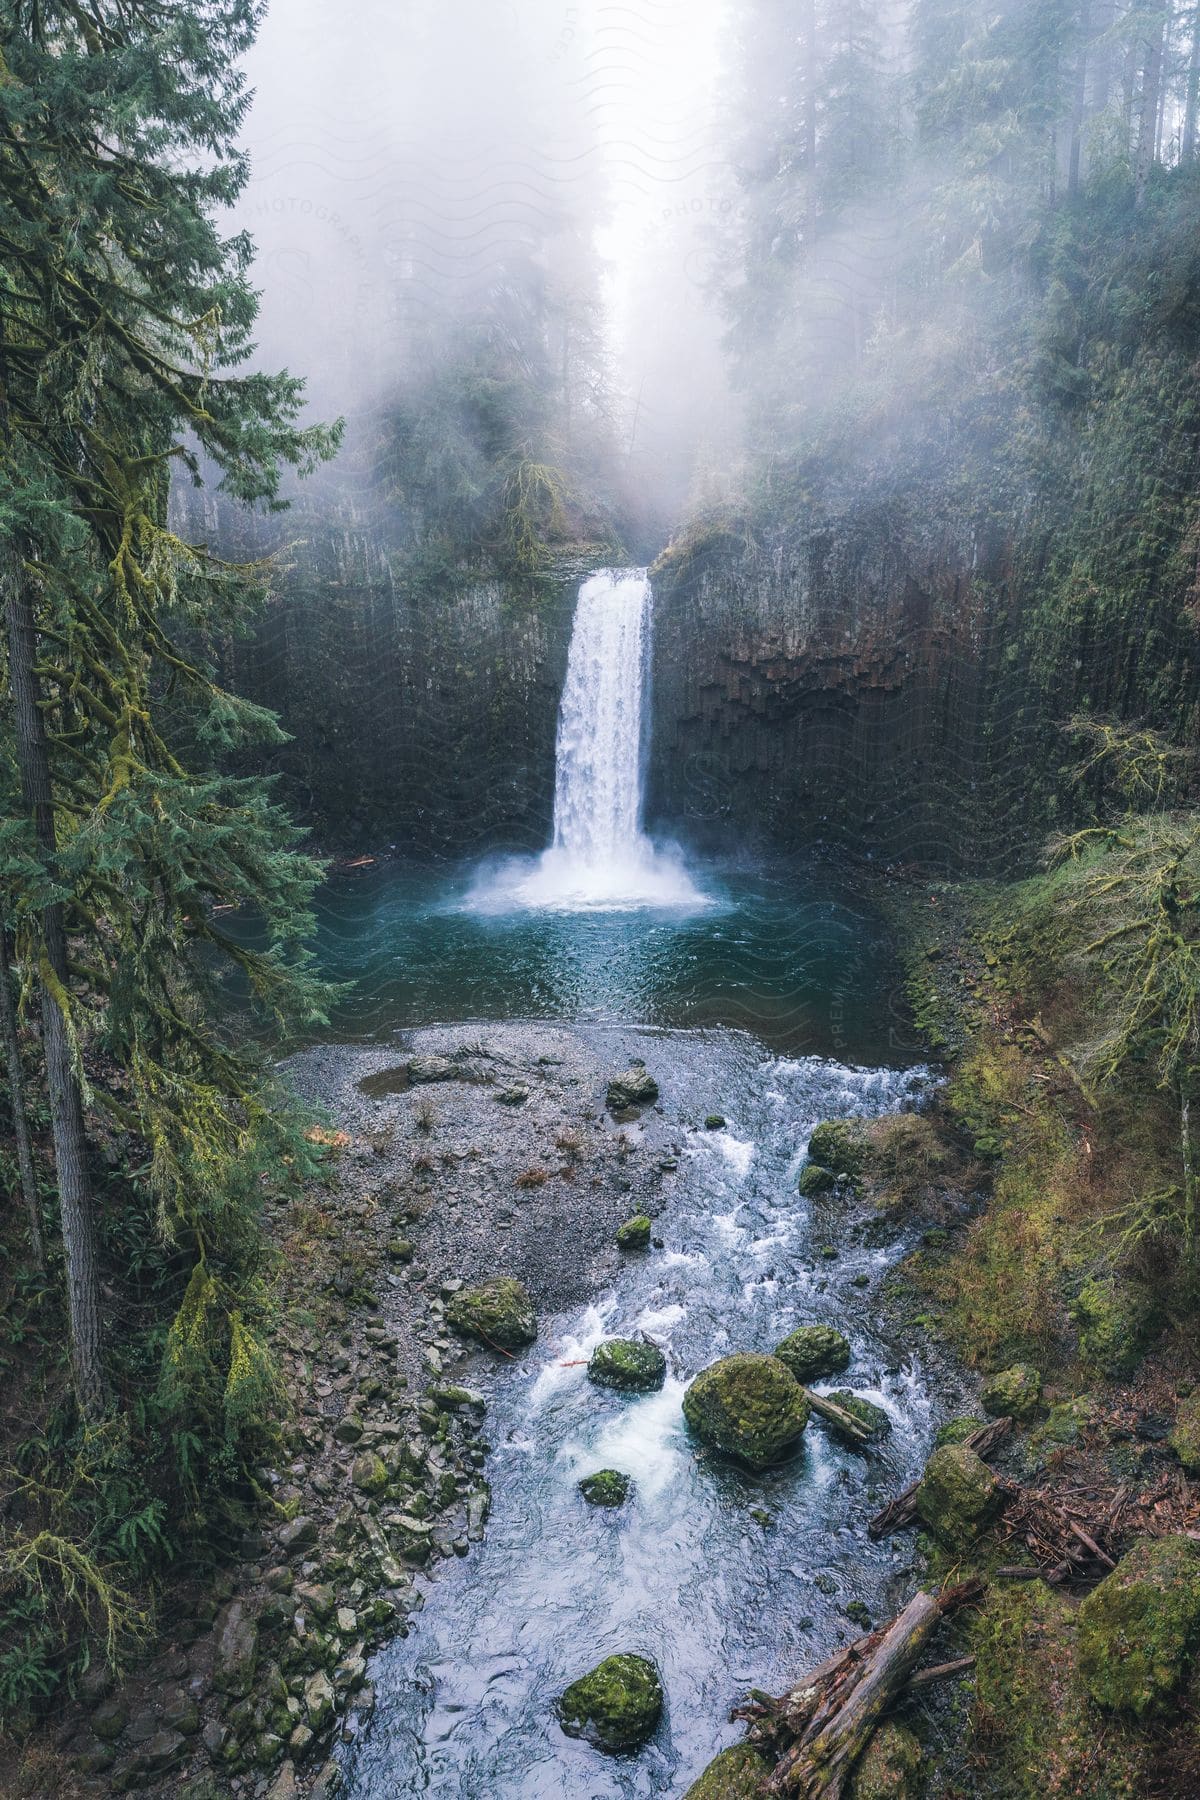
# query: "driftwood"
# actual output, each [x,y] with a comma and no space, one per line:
[902,1510]
[817,1731]
[838,1416]
[1050,1527]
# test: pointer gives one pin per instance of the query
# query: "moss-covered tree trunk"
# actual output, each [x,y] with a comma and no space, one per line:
[66,1106]
[16,1102]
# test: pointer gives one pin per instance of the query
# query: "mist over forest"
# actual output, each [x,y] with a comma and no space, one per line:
[600,899]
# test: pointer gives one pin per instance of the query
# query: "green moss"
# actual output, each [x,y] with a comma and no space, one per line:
[889,1766]
[369,1473]
[608,1487]
[873,1417]
[1185,1439]
[634,1234]
[814,1350]
[958,1495]
[1013,1394]
[736,1774]
[814,1180]
[715,1122]
[497,1312]
[629,1364]
[747,1406]
[1062,1424]
[840,1145]
[616,1706]
[1138,1629]
[1114,1324]
[957,1431]
[1038,1735]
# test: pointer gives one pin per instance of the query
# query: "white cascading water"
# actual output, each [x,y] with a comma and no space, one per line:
[597,792]
[600,859]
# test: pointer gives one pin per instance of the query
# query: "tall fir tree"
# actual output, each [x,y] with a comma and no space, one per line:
[125,349]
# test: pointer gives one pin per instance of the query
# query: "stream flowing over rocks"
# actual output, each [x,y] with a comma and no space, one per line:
[721,1578]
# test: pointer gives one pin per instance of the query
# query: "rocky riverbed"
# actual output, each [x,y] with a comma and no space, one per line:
[462,1154]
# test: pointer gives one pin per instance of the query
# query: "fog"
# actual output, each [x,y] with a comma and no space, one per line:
[412,166]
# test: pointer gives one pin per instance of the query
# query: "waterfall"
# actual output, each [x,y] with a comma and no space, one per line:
[598,774]
[600,858]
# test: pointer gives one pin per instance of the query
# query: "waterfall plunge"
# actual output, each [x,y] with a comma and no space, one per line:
[600,859]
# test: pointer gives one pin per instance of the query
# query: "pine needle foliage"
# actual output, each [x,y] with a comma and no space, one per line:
[126,365]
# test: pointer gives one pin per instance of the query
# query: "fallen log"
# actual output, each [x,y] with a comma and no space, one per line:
[947,1671]
[839,1418]
[902,1510]
[816,1732]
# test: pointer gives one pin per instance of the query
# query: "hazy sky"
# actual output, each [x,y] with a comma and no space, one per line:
[397,149]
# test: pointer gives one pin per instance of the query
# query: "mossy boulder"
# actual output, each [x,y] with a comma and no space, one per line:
[369,1473]
[839,1145]
[1138,1629]
[814,1350]
[1038,1735]
[635,1087]
[629,1364]
[736,1774]
[616,1706]
[958,1496]
[1014,1393]
[1185,1438]
[1063,1423]
[498,1313]
[957,1431]
[634,1234]
[1114,1324]
[715,1122]
[889,1767]
[872,1418]
[608,1487]
[815,1179]
[749,1407]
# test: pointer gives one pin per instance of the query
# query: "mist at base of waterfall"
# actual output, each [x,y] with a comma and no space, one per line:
[641,877]
[600,859]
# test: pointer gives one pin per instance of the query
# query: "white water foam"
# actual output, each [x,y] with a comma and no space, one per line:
[601,859]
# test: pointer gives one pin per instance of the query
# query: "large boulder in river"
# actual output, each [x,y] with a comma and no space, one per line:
[1138,1630]
[497,1312]
[814,1350]
[634,1234]
[616,1706]
[629,1364]
[958,1496]
[873,1419]
[607,1487]
[636,1087]
[750,1407]
[839,1145]
[736,1774]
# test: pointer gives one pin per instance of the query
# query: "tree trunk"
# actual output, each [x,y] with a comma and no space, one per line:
[1151,92]
[823,1766]
[66,1106]
[1189,1161]
[1079,111]
[1103,13]
[1188,146]
[16,1091]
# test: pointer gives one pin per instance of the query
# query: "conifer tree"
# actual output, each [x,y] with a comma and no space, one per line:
[125,337]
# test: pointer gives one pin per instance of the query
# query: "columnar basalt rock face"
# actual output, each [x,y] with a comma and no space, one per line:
[848,669]
[421,704]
